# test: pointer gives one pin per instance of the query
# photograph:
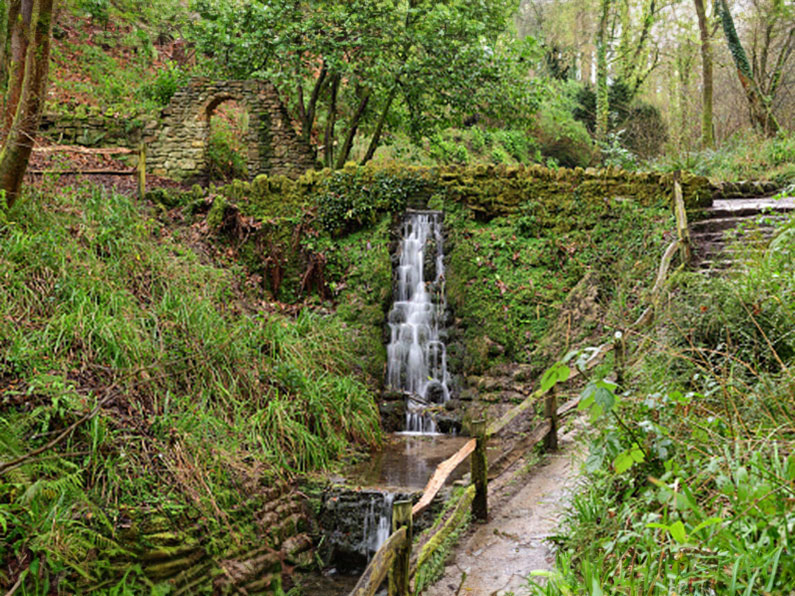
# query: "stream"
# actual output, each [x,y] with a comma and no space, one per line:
[357,520]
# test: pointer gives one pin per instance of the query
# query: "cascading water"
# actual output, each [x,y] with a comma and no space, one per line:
[378,523]
[416,356]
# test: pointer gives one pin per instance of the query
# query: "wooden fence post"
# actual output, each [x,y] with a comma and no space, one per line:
[141,170]
[551,413]
[682,230]
[619,348]
[479,470]
[399,574]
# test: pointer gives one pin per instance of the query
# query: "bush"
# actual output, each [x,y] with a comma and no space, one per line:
[560,136]
[165,85]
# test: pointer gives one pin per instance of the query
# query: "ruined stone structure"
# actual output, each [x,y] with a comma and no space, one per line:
[177,146]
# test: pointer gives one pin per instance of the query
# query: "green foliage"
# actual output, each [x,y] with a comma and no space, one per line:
[442,59]
[744,156]
[509,276]
[213,399]
[352,198]
[225,159]
[165,84]
[690,474]
[98,10]
[559,134]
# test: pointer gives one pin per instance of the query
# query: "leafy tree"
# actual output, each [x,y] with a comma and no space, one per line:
[348,67]
[30,27]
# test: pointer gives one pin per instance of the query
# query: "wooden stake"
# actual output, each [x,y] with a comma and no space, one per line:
[141,171]
[551,413]
[479,468]
[399,574]
[619,347]
[685,245]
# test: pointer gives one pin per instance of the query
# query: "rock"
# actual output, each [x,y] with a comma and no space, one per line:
[393,415]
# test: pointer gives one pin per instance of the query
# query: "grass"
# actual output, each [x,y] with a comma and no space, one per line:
[691,469]
[210,399]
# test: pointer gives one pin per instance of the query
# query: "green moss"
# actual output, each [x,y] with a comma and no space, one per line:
[520,238]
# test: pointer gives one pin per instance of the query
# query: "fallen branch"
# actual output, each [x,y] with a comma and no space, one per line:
[22,459]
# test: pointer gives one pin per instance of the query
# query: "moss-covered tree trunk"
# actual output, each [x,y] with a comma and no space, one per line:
[707,137]
[18,143]
[761,112]
[602,107]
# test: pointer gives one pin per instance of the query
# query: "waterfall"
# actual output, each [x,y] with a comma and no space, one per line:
[416,355]
[377,523]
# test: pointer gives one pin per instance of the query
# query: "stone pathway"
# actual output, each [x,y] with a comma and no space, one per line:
[495,558]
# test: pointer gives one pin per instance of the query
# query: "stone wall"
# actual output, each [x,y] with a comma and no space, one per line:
[177,146]
[94,129]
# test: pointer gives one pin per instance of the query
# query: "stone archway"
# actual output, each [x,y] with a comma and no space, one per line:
[178,148]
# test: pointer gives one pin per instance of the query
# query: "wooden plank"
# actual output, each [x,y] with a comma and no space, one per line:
[525,446]
[376,571]
[648,315]
[84,172]
[399,572]
[83,150]
[682,229]
[441,475]
[498,425]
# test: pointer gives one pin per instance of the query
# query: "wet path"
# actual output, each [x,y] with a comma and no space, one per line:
[494,559]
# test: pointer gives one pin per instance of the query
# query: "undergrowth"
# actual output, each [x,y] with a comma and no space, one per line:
[745,156]
[691,474]
[205,399]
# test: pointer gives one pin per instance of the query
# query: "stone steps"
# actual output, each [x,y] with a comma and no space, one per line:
[735,230]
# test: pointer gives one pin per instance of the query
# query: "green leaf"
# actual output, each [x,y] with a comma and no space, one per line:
[623,462]
[604,398]
[557,373]
[706,523]
[677,530]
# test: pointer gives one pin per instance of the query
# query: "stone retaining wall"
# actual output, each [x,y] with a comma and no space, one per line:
[92,130]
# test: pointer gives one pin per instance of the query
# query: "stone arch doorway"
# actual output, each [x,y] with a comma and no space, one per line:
[232,147]
[178,147]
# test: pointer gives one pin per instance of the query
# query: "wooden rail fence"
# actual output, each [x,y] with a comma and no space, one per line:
[394,556]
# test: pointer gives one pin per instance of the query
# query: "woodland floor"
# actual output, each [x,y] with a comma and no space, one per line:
[526,507]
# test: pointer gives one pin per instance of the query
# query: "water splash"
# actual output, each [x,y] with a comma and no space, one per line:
[416,355]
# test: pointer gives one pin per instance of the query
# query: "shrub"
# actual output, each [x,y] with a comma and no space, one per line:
[165,85]
[224,159]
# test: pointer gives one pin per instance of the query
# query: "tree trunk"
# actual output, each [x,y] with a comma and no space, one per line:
[376,139]
[761,114]
[707,137]
[328,141]
[19,142]
[602,108]
[306,113]
[345,151]
[5,27]
[20,14]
